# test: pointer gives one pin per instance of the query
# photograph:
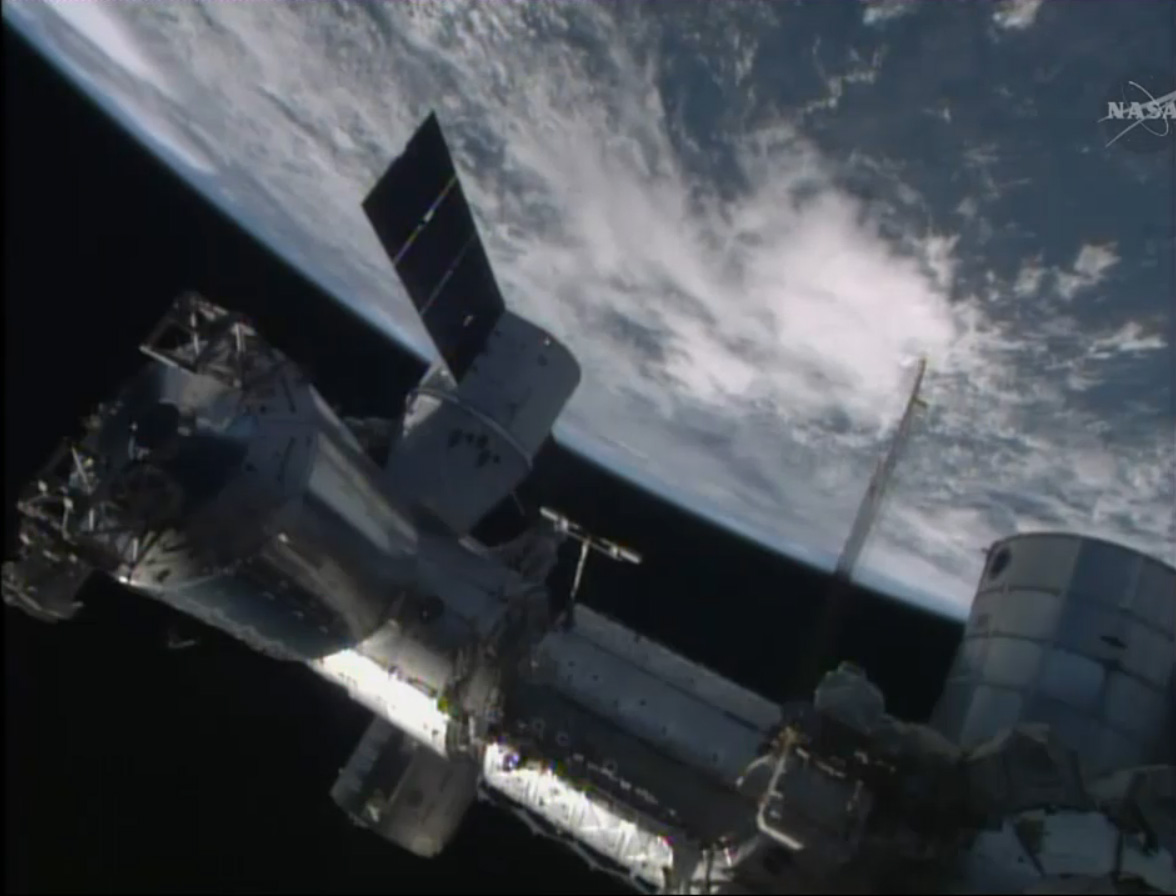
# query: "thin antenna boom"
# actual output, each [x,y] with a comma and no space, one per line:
[833,609]
[868,510]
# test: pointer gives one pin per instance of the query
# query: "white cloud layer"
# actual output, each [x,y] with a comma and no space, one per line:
[747,329]
[1016,15]
[138,91]
[879,12]
[100,24]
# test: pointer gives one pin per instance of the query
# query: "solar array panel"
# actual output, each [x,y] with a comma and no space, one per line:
[424,223]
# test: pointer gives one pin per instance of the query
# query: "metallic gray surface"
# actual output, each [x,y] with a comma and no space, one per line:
[463,447]
[293,546]
[620,763]
[407,794]
[1074,632]
[243,501]
[681,709]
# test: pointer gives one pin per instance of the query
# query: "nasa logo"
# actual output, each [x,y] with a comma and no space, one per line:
[1139,112]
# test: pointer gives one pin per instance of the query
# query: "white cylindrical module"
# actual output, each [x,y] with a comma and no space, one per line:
[1074,632]
[278,529]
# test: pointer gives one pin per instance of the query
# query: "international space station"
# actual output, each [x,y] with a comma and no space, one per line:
[218,481]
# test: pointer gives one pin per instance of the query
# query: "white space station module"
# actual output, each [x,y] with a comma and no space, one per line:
[219,482]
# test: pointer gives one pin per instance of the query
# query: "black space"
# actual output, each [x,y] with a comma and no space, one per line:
[132,767]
